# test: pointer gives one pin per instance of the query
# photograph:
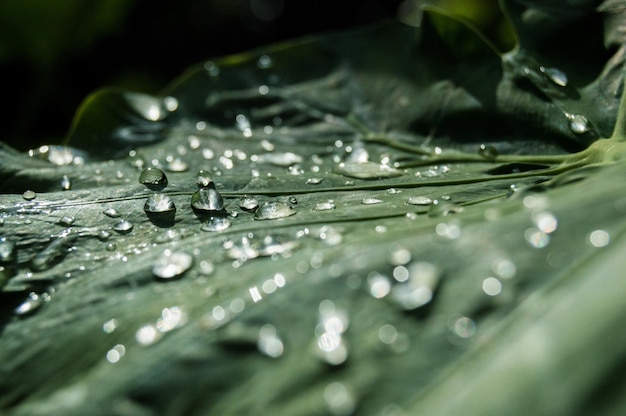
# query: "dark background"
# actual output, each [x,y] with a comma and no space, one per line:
[54,53]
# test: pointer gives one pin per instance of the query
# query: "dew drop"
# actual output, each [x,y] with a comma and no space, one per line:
[216,224]
[204,179]
[29,195]
[419,200]
[314,181]
[599,238]
[66,221]
[123,227]
[248,203]
[159,203]
[177,165]
[339,400]
[153,176]
[7,251]
[371,201]
[209,200]
[324,206]
[418,290]
[555,75]
[536,237]
[111,213]
[269,342]
[273,210]
[442,209]
[488,152]
[66,183]
[367,170]
[578,123]
[32,303]
[172,265]
[279,159]
[492,286]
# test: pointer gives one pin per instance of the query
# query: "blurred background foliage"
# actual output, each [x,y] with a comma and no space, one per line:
[54,53]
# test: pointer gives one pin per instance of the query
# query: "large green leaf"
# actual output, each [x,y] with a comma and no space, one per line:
[402,232]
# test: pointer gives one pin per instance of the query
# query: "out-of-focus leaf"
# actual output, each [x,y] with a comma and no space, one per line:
[347,224]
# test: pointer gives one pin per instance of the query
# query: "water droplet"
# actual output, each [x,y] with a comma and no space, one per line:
[314,181]
[599,238]
[66,184]
[248,203]
[273,210]
[29,195]
[536,237]
[269,342]
[32,303]
[153,176]
[7,251]
[324,206]
[209,200]
[216,224]
[419,200]
[578,123]
[111,213]
[463,327]
[159,203]
[148,335]
[264,62]
[339,400]
[66,221]
[379,285]
[115,354]
[419,288]
[371,201]
[204,179]
[123,227]
[488,152]
[110,326]
[367,170]
[177,165]
[492,286]
[555,75]
[279,159]
[544,221]
[172,265]
[442,209]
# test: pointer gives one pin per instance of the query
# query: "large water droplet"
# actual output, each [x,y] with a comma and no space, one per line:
[324,206]
[204,179]
[216,224]
[555,75]
[419,200]
[153,176]
[273,210]
[248,203]
[367,170]
[32,303]
[172,265]
[209,200]
[111,213]
[578,123]
[123,226]
[314,181]
[29,195]
[159,203]
[371,201]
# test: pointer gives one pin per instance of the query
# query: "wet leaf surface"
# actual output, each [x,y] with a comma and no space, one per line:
[306,229]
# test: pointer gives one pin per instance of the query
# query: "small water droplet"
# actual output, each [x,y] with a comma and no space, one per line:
[209,200]
[324,206]
[442,209]
[123,226]
[314,181]
[339,400]
[419,200]
[578,123]
[264,62]
[204,179]
[492,286]
[536,237]
[599,238]
[111,213]
[7,251]
[488,152]
[371,201]
[29,195]
[153,176]
[555,75]
[216,224]
[172,265]
[269,342]
[367,170]
[177,165]
[32,303]
[419,288]
[67,221]
[279,159]
[159,203]
[248,203]
[273,210]
[66,184]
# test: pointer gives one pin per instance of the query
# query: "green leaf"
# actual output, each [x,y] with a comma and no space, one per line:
[356,223]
